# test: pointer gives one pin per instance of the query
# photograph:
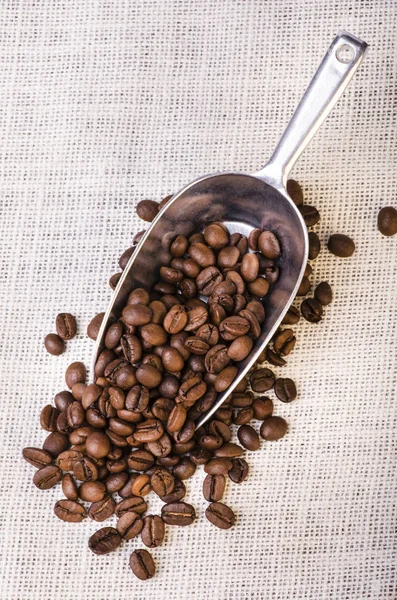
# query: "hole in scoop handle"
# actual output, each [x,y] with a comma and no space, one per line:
[332,77]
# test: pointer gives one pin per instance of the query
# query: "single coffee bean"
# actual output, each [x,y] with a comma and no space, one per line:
[253,238]
[70,511]
[148,376]
[284,342]
[75,373]
[274,359]
[341,245]
[228,257]
[98,444]
[102,510]
[249,267]
[233,327]
[105,358]
[142,564]
[137,399]
[153,531]
[218,428]
[54,344]
[48,418]
[291,317]
[161,408]
[178,513]
[239,471]
[137,314]
[55,443]
[304,287]
[95,325]
[263,407]
[92,491]
[240,348]
[129,525]
[46,477]
[67,459]
[131,503]
[140,460]
[161,447]
[273,428]
[177,493]
[216,359]
[323,293]
[125,257]
[225,378]
[218,466]
[62,400]
[66,326]
[175,319]
[220,515]
[113,335]
[214,487]
[295,192]
[255,328]
[147,210]
[310,214]
[239,400]
[141,485]
[176,418]
[262,380]
[104,540]
[203,255]
[196,317]
[139,296]
[248,437]
[158,311]
[77,391]
[269,245]
[85,469]
[75,415]
[216,237]
[179,246]
[259,287]
[172,360]
[185,468]
[69,487]
[149,431]
[113,281]
[200,456]
[162,482]
[37,457]
[240,241]
[387,221]
[285,389]
[312,310]
[314,245]
[243,416]
[257,309]
[229,450]
[115,481]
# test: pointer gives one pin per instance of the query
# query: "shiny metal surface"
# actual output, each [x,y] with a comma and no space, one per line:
[244,202]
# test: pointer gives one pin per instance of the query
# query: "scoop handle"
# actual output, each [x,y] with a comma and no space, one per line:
[328,84]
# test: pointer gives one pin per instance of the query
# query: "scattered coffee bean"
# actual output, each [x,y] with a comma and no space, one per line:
[178,513]
[341,245]
[70,511]
[153,531]
[95,325]
[102,509]
[129,525]
[239,471]
[295,191]
[314,245]
[273,428]
[142,564]
[310,215]
[312,310]
[147,210]
[285,389]
[46,477]
[37,457]
[220,515]
[248,437]
[323,293]
[54,344]
[66,326]
[104,540]
[262,380]
[387,221]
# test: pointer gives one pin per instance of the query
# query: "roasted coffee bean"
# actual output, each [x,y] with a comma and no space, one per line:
[216,358]
[161,447]
[253,238]
[178,513]
[158,311]
[85,469]
[209,333]
[139,296]
[113,281]
[48,418]
[148,376]
[162,482]
[92,491]
[274,359]
[137,314]
[153,531]
[240,241]
[67,459]
[314,245]
[55,443]
[240,348]
[225,378]
[295,191]
[285,389]
[66,326]
[98,444]
[75,373]
[214,487]
[115,481]
[46,477]
[262,407]
[273,428]
[312,310]
[104,540]
[77,391]
[69,511]
[185,468]
[215,236]
[54,344]
[95,325]
[141,485]
[310,214]
[200,456]
[172,360]
[137,399]
[220,515]
[341,245]
[203,255]
[243,416]
[140,460]
[147,210]
[95,418]
[132,348]
[248,437]
[131,503]
[255,328]
[229,450]
[291,317]
[191,390]
[149,431]
[257,309]
[102,510]
[387,221]
[228,257]
[304,287]
[125,257]
[171,275]
[161,408]
[208,279]
[259,287]
[269,245]
[177,493]
[239,471]
[62,400]
[218,428]
[75,415]
[218,466]
[233,327]
[129,525]
[119,427]
[104,359]
[37,457]
[283,343]
[179,246]
[185,433]
[225,414]
[176,418]
[142,564]
[69,487]
[262,380]
[196,316]
[249,267]
[323,293]
[271,274]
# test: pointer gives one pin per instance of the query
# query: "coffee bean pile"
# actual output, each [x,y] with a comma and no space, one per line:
[132,432]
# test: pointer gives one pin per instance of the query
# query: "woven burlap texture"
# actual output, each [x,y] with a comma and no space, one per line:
[106,102]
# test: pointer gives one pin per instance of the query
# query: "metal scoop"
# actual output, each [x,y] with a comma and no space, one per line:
[244,202]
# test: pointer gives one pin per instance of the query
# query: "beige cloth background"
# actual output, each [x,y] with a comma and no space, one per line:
[107,102]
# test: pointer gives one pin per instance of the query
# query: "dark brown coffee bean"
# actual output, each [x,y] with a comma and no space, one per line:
[125,257]
[269,245]
[310,214]
[148,376]
[214,487]
[161,447]
[218,466]
[233,327]
[103,360]
[283,343]
[220,515]
[273,428]
[225,378]
[291,317]
[216,359]
[129,525]
[158,311]
[209,333]
[142,564]
[92,491]
[137,314]
[85,469]
[215,236]
[141,485]
[323,293]
[179,246]
[115,481]
[262,380]
[177,493]
[185,468]
[104,540]
[257,309]
[67,459]
[62,400]
[225,414]
[139,296]
[172,360]
[137,399]
[102,510]
[77,391]
[259,287]
[285,389]
[162,482]
[304,287]
[314,245]
[229,450]
[312,310]
[248,437]
[295,192]
[54,344]
[69,487]
[255,328]
[55,443]
[196,316]
[176,418]
[243,416]
[178,513]
[113,281]
[253,238]
[203,255]
[46,477]
[191,390]
[271,274]
[240,348]
[95,325]
[263,407]
[153,531]
[147,210]
[239,471]
[341,245]
[274,359]
[98,444]
[208,279]
[48,417]
[171,275]
[66,326]
[69,511]
[75,415]
[239,400]
[140,460]
[37,457]
[75,373]
[149,431]
[131,503]
[387,221]
[220,429]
